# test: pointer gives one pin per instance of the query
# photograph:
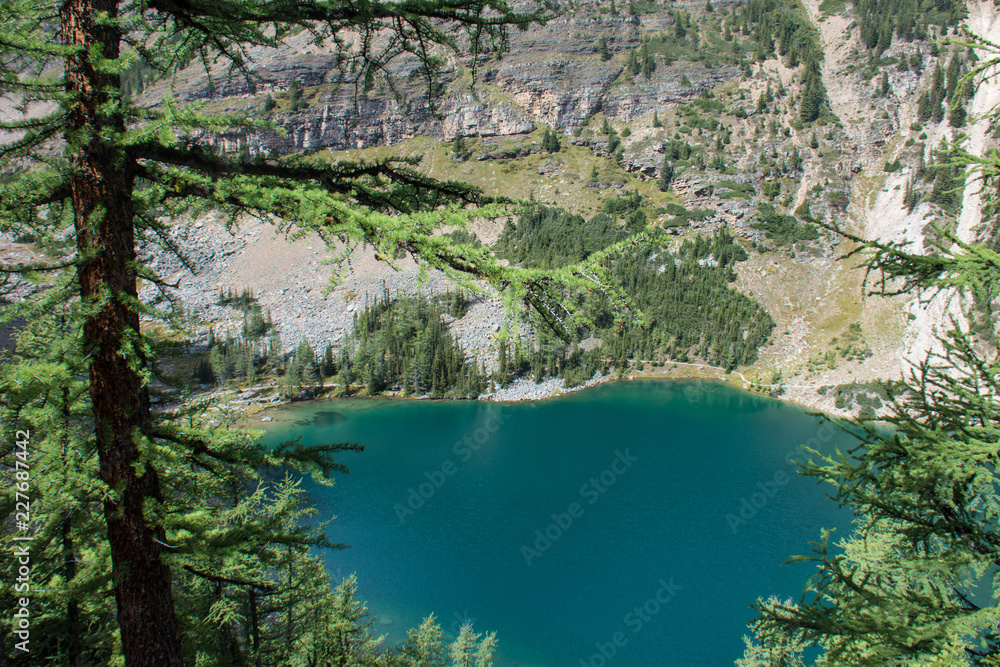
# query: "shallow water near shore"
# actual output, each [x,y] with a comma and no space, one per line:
[627,524]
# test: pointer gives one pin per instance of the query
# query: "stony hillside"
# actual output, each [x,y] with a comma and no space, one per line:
[626,94]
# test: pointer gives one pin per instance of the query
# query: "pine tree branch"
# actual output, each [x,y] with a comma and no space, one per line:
[264,588]
[32,190]
[36,268]
[165,241]
[362,182]
[478,13]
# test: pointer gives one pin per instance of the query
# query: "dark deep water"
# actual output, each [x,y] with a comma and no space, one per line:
[604,522]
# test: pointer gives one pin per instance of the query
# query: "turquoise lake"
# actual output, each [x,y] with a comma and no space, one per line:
[628,524]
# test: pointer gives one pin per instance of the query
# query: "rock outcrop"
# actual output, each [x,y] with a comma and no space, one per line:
[551,76]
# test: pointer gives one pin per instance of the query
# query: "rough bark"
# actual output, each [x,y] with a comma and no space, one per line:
[101,192]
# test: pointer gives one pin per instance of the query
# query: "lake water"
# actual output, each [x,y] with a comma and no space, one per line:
[628,524]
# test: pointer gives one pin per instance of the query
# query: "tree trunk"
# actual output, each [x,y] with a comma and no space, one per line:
[101,185]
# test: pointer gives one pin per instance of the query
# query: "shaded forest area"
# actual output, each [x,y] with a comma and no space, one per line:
[691,311]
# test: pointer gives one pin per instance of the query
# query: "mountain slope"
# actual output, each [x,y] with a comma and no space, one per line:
[749,153]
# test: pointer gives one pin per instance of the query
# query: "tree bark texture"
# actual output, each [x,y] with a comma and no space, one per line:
[101,190]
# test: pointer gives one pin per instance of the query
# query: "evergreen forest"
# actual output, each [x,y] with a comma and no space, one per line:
[691,312]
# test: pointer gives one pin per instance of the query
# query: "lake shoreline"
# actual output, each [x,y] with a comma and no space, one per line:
[257,414]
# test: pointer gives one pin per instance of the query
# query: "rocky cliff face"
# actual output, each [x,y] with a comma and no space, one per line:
[551,76]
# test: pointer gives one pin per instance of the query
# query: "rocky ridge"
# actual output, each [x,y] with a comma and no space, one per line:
[549,77]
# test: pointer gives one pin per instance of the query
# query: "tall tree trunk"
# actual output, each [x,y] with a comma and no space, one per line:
[101,187]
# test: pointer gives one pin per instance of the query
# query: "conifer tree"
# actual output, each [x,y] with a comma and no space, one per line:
[68,557]
[956,114]
[275,353]
[953,75]
[632,65]
[913,583]
[666,176]
[87,158]
[812,97]
[458,148]
[329,366]
[602,49]
[466,652]
[883,87]
[295,96]
[550,141]
[679,30]
[646,60]
[924,107]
